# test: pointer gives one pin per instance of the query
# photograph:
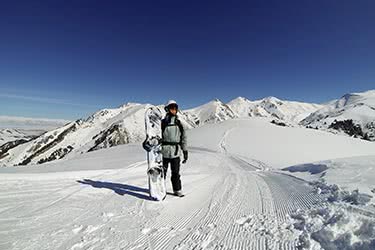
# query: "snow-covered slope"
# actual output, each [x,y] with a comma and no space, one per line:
[234,199]
[272,107]
[11,138]
[100,200]
[7,135]
[105,128]
[111,127]
[358,107]
[277,146]
[211,112]
[17,130]
[349,173]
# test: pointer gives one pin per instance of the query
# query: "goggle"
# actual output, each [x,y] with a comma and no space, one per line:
[173,106]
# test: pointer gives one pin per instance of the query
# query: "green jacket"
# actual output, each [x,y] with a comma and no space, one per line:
[173,136]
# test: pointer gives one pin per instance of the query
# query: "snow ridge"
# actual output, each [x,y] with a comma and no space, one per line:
[110,127]
[357,107]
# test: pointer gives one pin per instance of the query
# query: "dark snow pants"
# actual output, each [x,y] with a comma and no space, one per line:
[175,168]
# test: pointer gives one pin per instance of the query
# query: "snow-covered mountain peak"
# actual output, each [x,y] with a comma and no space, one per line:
[368,93]
[357,107]
[131,104]
[125,124]
[211,112]
[348,99]
[102,115]
[242,107]
[216,100]
[367,98]
[239,100]
[242,98]
[17,135]
[272,99]
[105,115]
[272,107]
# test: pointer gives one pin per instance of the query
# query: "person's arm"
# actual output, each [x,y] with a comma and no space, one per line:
[183,140]
[184,143]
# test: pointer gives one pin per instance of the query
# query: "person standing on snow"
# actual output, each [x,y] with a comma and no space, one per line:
[174,140]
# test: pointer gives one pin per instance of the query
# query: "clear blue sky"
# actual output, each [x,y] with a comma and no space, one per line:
[66,59]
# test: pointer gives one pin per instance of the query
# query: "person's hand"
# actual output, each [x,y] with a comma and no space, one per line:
[185,156]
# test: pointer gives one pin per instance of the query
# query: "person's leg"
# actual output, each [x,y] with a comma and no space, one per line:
[165,166]
[175,168]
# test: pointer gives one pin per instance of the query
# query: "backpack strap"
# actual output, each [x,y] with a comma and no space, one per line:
[179,124]
[165,124]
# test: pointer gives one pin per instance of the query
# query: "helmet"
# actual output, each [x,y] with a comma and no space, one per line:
[170,103]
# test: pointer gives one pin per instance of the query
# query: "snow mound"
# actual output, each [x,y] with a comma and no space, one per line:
[342,223]
[349,173]
[311,168]
[334,228]
[335,194]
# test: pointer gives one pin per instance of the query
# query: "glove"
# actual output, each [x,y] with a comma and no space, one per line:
[185,156]
[146,146]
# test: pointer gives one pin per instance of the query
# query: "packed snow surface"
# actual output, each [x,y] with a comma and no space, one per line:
[236,198]
[278,146]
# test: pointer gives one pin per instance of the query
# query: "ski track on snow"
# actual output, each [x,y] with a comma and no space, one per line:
[232,203]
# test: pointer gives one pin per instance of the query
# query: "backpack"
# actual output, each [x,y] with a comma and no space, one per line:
[165,124]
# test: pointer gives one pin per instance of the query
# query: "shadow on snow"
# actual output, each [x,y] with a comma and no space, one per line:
[118,188]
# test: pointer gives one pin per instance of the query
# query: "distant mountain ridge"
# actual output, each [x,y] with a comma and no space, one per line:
[273,107]
[13,128]
[27,123]
[125,124]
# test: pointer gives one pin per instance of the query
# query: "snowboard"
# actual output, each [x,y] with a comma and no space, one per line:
[152,144]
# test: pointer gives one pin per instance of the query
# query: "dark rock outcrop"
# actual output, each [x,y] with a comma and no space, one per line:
[9,145]
[113,136]
[58,154]
[348,127]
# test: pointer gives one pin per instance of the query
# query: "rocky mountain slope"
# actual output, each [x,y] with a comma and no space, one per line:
[110,127]
[353,114]
[103,129]
[11,134]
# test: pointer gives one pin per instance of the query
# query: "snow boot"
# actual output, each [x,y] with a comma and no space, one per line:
[178,193]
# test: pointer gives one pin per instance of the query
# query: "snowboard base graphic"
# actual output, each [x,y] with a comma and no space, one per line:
[152,145]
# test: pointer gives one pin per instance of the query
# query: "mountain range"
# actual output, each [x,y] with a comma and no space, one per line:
[352,114]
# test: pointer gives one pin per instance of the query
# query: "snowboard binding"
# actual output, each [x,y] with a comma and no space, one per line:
[150,143]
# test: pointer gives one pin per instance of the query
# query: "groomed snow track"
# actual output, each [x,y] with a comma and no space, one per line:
[247,209]
[231,203]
